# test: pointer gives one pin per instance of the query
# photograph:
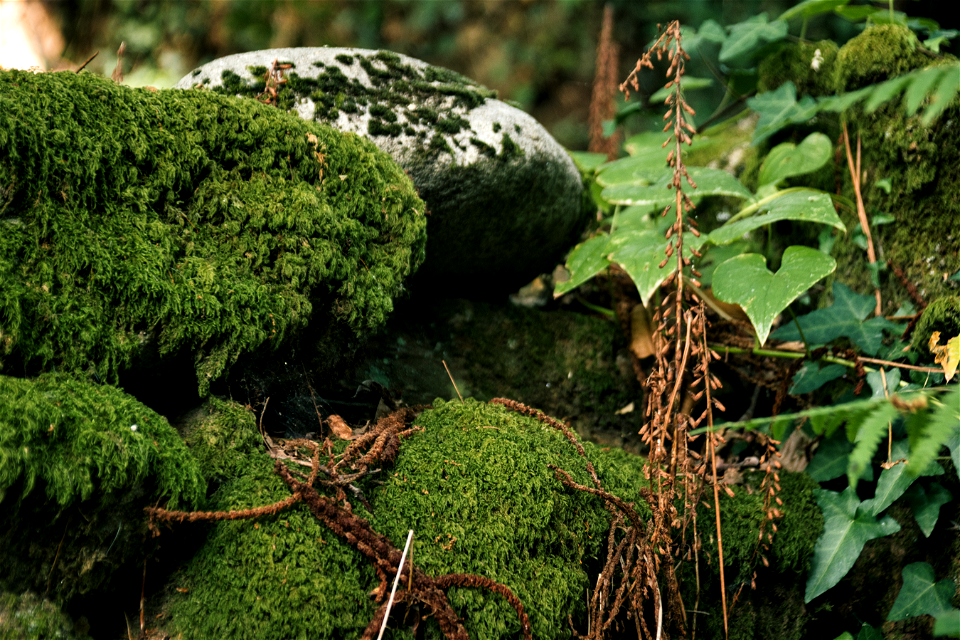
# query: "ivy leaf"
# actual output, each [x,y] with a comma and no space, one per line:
[948,355]
[745,280]
[810,8]
[640,254]
[869,633]
[947,624]
[710,182]
[830,460]
[845,531]
[866,435]
[789,159]
[586,260]
[778,109]
[926,504]
[814,375]
[748,35]
[846,317]
[895,481]
[804,205]
[920,595]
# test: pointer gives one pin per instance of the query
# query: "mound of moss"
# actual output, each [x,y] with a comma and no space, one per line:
[808,65]
[475,488]
[921,163]
[78,462]
[29,617]
[137,223]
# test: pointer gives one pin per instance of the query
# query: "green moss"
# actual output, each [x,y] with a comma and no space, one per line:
[483,147]
[475,488]
[880,52]
[943,315]
[344,59]
[795,62]
[221,435]
[83,458]
[922,164]
[146,223]
[29,617]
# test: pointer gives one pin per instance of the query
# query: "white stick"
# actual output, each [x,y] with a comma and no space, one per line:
[396,581]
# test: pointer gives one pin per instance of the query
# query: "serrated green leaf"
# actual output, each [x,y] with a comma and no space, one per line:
[920,86]
[745,280]
[586,260]
[804,205]
[846,317]
[866,435]
[710,182]
[943,96]
[920,595]
[810,8]
[926,504]
[947,624]
[750,34]
[935,432]
[789,159]
[813,375]
[845,531]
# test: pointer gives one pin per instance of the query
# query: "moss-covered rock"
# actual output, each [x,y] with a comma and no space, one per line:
[808,65]
[942,315]
[922,164]
[504,198]
[474,487]
[29,617]
[135,223]
[80,459]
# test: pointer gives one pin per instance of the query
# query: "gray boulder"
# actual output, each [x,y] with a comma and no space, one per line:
[504,197]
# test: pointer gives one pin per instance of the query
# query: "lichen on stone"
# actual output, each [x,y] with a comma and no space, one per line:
[138,223]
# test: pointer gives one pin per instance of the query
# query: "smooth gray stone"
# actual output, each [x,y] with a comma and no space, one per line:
[504,198]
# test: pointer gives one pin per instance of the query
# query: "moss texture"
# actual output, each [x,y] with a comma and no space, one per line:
[795,62]
[134,222]
[475,488]
[29,617]
[941,315]
[922,164]
[85,459]
[220,435]
[776,608]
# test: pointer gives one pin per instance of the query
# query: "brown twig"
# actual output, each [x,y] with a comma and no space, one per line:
[855,176]
[452,381]
[87,61]
[602,107]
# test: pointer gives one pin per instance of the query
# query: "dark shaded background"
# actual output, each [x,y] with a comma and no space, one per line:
[538,53]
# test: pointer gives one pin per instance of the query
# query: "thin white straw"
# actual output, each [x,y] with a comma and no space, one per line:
[396,581]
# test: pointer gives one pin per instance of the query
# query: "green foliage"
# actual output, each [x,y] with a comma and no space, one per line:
[845,530]
[789,159]
[29,617]
[745,280]
[925,502]
[138,222]
[75,440]
[920,595]
[474,487]
[847,317]
[929,433]
[745,37]
[799,204]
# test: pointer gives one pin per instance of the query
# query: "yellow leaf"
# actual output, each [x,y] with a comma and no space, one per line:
[948,355]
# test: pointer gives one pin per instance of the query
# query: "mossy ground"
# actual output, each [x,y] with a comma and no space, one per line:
[83,459]
[28,617]
[475,489]
[135,222]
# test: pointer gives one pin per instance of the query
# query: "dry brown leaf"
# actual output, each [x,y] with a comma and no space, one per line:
[948,355]
[340,428]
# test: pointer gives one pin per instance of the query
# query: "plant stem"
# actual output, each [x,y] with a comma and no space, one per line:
[794,355]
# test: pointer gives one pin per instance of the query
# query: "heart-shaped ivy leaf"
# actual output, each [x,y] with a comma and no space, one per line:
[789,159]
[745,280]
[805,205]
[654,191]
[586,260]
